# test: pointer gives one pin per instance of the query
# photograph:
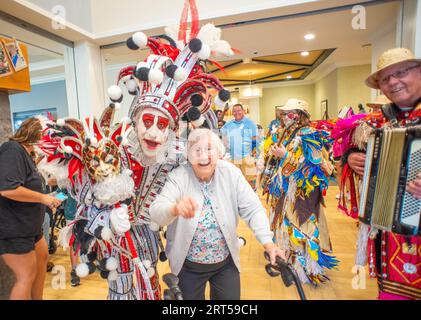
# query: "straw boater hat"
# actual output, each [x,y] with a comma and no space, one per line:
[379,101]
[387,59]
[295,104]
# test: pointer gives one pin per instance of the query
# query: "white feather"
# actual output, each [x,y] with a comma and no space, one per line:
[222,48]
[209,34]
[205,52]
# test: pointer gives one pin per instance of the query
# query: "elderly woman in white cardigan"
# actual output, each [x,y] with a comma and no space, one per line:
[201,203]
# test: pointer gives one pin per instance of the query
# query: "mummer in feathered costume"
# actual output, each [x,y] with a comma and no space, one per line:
[170,88]
[297,189]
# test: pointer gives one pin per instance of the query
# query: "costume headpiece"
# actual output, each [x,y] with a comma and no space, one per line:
[86,143]
[171,79]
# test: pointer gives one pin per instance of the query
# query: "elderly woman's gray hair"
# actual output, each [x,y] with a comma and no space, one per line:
[197,134]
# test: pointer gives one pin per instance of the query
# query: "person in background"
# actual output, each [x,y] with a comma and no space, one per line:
[275,123]
[22,208]
[297,189]
[361,109]
[201,203]
[70,208]
[240,135]
[220,114]
[377,104]
[260,139]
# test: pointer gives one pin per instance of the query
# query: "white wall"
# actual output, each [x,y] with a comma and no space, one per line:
[77,12]
[279,95]
[326,89]
[112,15]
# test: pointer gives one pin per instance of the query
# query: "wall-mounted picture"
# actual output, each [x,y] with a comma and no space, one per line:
[15,55]
[5,68]
[325,110]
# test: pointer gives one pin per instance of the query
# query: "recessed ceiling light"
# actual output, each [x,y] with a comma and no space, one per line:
[289,77]
[305,53]
[309,36]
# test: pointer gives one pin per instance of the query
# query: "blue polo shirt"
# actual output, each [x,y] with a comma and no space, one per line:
[240,135]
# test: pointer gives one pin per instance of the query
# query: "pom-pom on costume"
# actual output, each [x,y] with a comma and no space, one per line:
[169,87]
[297,189]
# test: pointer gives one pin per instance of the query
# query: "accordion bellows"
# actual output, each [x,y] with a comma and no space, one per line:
[393,160]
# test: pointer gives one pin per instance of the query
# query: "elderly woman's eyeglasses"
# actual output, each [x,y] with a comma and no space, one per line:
[400,74]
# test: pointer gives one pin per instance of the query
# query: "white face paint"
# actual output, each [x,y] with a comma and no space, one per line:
[152,131]
[290,117]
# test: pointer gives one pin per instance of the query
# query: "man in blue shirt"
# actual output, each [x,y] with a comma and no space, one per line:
[240,136]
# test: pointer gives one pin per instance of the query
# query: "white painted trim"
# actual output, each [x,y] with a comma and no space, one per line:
[47,64]
[71,83]
[49,15]
[47,79]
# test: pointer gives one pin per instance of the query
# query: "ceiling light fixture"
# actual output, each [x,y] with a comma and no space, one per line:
[289,77]
[305,53]
[309,36]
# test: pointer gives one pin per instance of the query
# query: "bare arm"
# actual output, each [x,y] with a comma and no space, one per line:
[23,194]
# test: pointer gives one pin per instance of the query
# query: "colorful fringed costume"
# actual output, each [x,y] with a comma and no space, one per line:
[297,190]
[394,259]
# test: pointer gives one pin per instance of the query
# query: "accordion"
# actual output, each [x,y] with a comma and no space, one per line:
[393,160]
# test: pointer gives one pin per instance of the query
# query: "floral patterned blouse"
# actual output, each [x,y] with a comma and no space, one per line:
[208,245]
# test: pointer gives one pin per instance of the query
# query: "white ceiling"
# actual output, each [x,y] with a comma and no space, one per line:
[332,30]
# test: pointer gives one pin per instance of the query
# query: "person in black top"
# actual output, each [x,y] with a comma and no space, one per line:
[22,206]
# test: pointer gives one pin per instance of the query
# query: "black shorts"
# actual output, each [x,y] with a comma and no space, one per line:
[18,245]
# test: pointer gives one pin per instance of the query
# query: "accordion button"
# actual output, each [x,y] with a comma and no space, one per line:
[383,242]
[383,253]
[384,275]
[384,264]
[372,274]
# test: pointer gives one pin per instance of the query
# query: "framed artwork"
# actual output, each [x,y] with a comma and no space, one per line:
[19,117]
[15,54]
[5,68]
[325,110]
